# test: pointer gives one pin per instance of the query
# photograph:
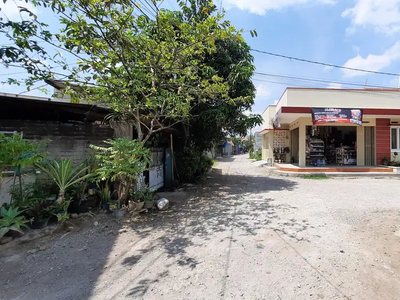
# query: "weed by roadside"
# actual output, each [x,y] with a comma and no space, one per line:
[257,156]
[315,176]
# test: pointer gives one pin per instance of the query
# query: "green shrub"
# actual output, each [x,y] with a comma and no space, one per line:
[28,193]
[256,156]
[64,174]
[192,164]
[122,162]
[10,220]
[205,165]
[144,194]
[104,192]
[17,153]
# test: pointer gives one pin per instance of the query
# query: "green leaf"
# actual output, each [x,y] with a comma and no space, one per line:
[3,231]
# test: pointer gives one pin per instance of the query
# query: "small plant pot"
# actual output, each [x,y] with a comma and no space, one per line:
[148,204]
[131,206]
[105,206]
[119,213]
[39,224]
[139,206]
[52,220]
[73,207]
[92,201]
[83,208]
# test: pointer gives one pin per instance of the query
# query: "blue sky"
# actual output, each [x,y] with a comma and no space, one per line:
[355,33]
[360,34]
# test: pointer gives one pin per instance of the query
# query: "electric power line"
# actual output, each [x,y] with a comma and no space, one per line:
[159,5]
[389,93]
[321,80]
[4,45]
[324,64]
[13,74]
[152,5]
[172,5]
[144,8]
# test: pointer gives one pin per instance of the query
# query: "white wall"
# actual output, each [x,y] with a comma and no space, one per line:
[267,115]
[340,98]
[283,101]
[7,183]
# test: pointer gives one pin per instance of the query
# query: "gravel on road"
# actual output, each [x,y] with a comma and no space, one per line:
[242,234]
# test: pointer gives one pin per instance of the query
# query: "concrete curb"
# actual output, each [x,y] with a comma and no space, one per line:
[337,174]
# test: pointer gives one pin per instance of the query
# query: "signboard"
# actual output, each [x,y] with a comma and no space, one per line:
[322,116]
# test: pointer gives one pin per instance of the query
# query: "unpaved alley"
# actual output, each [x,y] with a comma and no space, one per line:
[243,234]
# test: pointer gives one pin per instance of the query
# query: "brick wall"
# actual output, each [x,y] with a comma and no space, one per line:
[382,140]
[68,140]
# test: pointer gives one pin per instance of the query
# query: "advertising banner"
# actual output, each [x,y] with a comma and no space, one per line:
[322,116]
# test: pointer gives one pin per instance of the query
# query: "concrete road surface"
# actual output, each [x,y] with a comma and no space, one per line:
[241,235]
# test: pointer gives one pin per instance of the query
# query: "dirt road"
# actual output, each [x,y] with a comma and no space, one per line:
[241,235]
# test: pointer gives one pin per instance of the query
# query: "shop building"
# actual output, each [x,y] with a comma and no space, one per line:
[321,127]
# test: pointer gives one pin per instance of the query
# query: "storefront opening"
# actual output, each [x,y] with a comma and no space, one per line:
[331,145]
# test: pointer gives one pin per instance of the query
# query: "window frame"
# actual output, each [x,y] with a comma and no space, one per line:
[397,136]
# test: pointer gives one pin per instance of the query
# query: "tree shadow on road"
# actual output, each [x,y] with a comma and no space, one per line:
[221,205]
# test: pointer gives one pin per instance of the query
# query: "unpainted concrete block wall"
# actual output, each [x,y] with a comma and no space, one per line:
[68,140]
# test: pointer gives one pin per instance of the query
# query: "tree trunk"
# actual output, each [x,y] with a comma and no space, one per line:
[139,128]
[123,190]
[61,196]
[186,130]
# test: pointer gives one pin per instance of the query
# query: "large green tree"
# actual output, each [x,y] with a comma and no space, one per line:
[150,71]
[214,119]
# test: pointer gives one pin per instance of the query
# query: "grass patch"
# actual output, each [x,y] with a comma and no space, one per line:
[315,176]
[215,163]
[257,156]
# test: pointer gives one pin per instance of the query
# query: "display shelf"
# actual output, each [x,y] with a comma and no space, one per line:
[316,152]
[346,156]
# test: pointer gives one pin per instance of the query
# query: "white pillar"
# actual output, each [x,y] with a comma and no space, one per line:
[271,146]
[302,145]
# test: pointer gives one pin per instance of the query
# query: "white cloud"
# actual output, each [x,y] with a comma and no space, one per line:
[11,10]
[382,15]
[393,83]
[334,85]
[262,91]
[260,7]
[356,49]
[372,62]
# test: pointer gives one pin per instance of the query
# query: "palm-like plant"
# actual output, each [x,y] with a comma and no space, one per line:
[123,161]
[11,221]
[104,193]
[64,175]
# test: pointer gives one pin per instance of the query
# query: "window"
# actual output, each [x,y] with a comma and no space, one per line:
[395,139]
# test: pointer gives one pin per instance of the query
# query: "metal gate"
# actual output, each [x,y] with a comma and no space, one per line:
[369,138]
[155,178]
[295,144]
